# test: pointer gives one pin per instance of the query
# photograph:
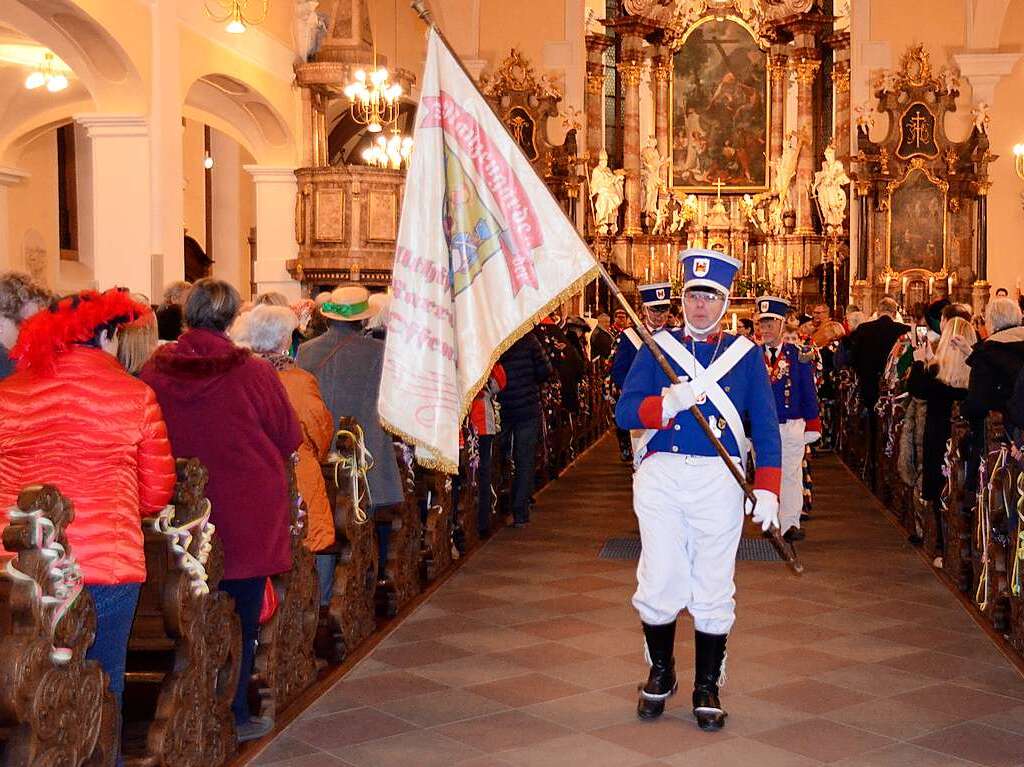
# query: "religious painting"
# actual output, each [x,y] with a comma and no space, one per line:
[917,223]
[719,114]
[520,124]
[917,133]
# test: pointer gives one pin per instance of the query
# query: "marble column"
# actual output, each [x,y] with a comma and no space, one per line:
[841,70]
[630,71]
[593,94]
[805,70]
[8,177]
[275,229]
[777,71]
[662,75]
[114,233]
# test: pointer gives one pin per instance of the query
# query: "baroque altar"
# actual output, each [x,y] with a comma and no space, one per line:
[922,197]
[738,94]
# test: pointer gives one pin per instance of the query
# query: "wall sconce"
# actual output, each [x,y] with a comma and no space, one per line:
[1018,160]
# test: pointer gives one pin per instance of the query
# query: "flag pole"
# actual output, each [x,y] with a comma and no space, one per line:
[788,552]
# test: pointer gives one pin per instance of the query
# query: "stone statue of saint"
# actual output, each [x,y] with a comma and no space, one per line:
[308,29]
[606,189]
[651,165]
[785,168]
[830,187]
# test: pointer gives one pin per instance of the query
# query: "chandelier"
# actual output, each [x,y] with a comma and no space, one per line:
[374,100]
[237,14]
[390,152]
[48,74]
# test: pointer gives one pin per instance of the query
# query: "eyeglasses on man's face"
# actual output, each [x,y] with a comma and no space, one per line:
[703,297]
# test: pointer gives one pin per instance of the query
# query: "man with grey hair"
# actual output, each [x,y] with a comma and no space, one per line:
[20,298]
[996,362]
[870,345]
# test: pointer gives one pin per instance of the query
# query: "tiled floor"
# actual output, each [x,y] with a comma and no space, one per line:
[530,656]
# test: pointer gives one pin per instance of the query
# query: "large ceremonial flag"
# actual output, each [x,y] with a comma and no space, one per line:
[483,249]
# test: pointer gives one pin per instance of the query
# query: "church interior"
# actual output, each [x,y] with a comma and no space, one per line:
[854,162]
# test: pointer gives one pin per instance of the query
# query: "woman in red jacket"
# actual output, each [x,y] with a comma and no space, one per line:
[229,409]
[70,416]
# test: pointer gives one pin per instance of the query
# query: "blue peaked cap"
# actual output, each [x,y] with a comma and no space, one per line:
[656,294]
[772,306]
[708,269]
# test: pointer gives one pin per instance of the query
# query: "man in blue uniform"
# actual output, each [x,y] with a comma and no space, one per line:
[796,404]
[657,300]
[689,506]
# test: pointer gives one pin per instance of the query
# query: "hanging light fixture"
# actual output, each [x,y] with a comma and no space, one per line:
[392,152]
[48,74]
[237,14]
[375,101]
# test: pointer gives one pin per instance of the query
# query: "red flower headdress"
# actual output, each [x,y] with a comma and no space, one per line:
[71,320]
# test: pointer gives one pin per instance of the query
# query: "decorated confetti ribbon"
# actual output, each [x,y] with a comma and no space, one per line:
[181,542]
[357,467]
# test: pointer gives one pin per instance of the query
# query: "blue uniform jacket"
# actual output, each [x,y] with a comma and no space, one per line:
[747,386]
[623,358]
[793,384]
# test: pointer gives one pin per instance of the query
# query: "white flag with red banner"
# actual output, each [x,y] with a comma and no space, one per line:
[483,249]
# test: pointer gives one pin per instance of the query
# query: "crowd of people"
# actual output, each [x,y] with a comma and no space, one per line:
[101,391]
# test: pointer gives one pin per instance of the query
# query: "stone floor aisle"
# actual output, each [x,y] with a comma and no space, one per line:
[530,656]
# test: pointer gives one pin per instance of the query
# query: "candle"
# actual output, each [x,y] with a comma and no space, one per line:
[903,285]
[949,283]
[931,286]
[887,278]
[734,322]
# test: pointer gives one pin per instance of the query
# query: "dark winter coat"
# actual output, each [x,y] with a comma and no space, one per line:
[869,347]
[995,364]
[601,343]
[349,366]
[940,397]
[229,409]
[526,367]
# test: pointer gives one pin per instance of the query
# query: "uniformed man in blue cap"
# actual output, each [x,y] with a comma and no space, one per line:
[657,300]
[796,404]
[688,504]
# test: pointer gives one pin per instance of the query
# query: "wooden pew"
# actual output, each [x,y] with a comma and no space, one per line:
[956,509]
[285,661]
[992,509]
[185,645]
[434,494]
[355,577]
[400,574]
[466,534]
[55,708]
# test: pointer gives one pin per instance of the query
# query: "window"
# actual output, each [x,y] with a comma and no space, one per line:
[67,193]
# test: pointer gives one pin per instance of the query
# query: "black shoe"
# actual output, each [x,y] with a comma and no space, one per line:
[915,540]
[708,674]
[794,534]
[661,682]
[626,456]
[804,516]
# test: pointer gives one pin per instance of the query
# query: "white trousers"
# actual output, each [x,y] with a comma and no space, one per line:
[791,499]
[690,511]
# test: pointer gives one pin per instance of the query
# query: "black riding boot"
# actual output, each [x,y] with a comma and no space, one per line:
[661,682]
[710,666]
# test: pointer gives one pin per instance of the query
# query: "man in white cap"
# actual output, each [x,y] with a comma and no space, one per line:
[796,404]
[656,299]
[688,504]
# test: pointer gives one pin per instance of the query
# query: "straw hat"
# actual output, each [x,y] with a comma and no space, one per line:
[349,303]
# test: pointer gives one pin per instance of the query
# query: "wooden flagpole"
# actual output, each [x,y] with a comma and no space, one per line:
[787,551]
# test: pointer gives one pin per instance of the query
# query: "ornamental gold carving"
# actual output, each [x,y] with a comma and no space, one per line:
[805,70]
[631,72]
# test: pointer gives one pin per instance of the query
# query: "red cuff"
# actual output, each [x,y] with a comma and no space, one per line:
[649,413]
[813,425]
[768,478]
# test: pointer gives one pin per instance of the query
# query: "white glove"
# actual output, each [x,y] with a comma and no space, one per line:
[811,436]
[675,399]
[766,511]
